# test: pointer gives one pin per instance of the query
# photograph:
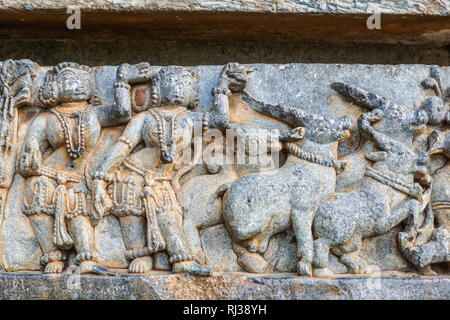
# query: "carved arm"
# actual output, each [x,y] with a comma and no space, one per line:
[34,146]
[101,174]
[131,137]
[232,79]
[120,111]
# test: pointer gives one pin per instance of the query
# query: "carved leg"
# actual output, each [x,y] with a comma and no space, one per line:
[82,232]
[193,240]
[350,255]
[43,230]
[264,237]
[321,252]
[133,232]
[251,261]
[390,220]
[171,224]
[302,223]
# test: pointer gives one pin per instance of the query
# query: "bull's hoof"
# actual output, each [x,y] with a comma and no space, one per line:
[253,262]
[304,269]
[323,273]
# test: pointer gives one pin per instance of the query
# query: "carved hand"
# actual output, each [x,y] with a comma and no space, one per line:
[234,76]
[132,74]
[102,203]
[30,162]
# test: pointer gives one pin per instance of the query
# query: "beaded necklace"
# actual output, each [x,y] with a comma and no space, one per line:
[161,127]
[74,150]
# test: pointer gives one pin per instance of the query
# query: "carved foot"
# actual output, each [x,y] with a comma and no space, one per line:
[191,267]
[54,267]
[355,264]
[90,267]
[140,265]
[304,269]
[323,273]
[253,262]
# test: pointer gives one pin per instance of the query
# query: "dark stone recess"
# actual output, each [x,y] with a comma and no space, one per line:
[163,285]
[161,52]
[228,26]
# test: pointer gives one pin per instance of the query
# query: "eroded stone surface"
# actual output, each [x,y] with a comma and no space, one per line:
[427,7]
[232,286]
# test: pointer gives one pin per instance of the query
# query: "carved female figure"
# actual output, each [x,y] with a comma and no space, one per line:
[56,151]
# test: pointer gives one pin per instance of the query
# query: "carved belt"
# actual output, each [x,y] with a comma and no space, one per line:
[150,196]
[314,157]
[413,190]
[60,206]
[149,176]
[60,176]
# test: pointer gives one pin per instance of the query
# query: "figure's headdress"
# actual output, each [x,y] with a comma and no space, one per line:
[156,98]
[48,92]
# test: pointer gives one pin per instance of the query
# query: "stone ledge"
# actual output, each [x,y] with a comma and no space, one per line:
[166,286]
[412,7]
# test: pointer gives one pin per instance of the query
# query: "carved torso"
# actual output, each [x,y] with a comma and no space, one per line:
[57,140]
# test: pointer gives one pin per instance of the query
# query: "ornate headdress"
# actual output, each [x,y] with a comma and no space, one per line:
[48,92]
[156,98]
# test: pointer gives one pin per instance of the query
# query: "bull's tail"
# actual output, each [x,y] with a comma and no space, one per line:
[219,193]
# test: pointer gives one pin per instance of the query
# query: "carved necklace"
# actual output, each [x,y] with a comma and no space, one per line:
[161,132]
[75,150]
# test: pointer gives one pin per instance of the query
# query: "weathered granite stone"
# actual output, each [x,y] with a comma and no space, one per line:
[234,286]
[279,6]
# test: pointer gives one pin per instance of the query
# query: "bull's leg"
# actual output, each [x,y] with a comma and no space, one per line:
[350,255]
[390,220]
[302,219]
[250,261]
[321,252]
[274,227]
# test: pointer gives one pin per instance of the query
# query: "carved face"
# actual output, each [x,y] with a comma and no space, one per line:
[176,87]
[74,85]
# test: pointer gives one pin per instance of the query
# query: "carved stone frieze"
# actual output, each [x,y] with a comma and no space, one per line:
[317,170]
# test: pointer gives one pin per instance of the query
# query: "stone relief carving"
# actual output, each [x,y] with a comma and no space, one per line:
[144,168]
